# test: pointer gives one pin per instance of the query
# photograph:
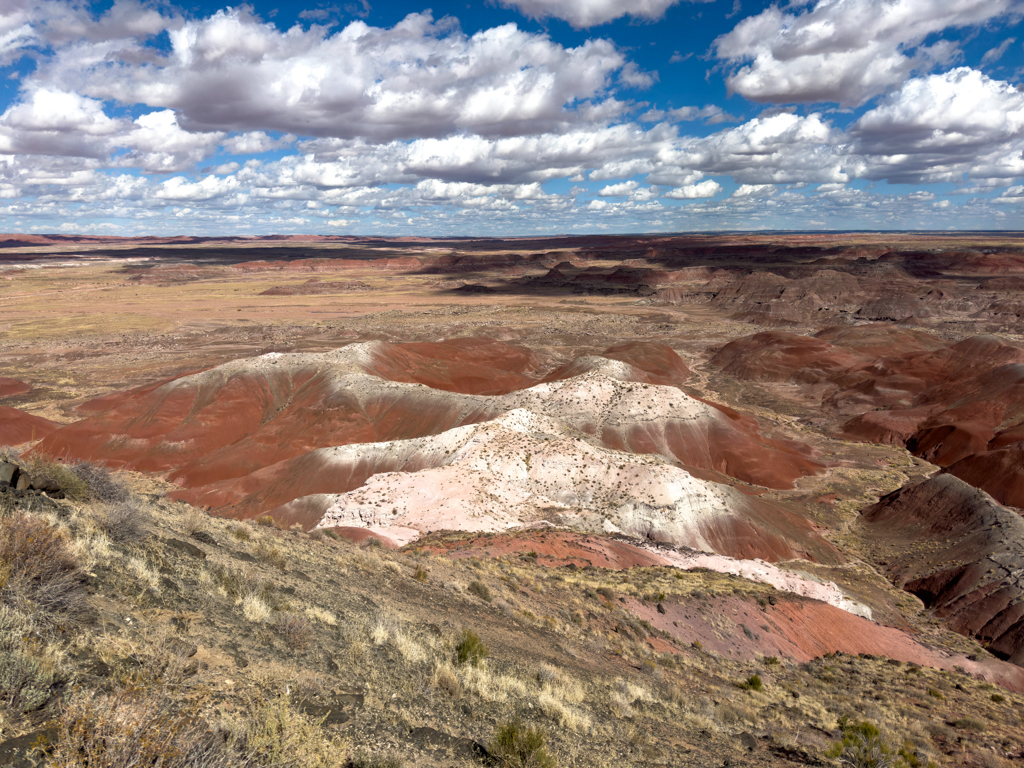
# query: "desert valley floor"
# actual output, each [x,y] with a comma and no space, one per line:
[666,463]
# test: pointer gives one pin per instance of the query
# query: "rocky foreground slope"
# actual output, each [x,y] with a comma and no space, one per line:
[234,644]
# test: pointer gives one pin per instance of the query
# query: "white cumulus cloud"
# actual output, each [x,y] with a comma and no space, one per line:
[845,51]
[590,13]
[420,78]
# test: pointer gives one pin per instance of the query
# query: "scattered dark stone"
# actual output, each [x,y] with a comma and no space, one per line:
[8,473]
[301,576]
[772,600]
[331,713]
[467,710]
[245,557]
[182,648]
[23,751]
[430,738]
[168,584]
[748,741]
[184,546]
[91,664]
[571,567]
[661,608]
[232,650]
[205,538]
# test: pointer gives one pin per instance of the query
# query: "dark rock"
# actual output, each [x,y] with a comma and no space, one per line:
[431,739]
[23,751]
[182,648]
[184,546]
[245,557]
[8,472]
[24,482]
[748,741]
[205,538]
[661,608]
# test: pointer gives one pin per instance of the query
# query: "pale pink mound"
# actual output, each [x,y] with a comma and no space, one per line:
[10,387]
[17,427]
[229,433]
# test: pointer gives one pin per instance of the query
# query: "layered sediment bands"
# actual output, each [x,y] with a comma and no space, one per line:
[618,414]
[523,468]
[17,427]
[958,405]
[211,431]
[961,553]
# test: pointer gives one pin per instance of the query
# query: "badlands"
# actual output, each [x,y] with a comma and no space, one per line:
[644,470]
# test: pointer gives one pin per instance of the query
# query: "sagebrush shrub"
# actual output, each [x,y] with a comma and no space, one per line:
[481,590]
[138,728]
[471,649]
[102,483]
[295,629]
[123,522]
[39,575]
[521,746]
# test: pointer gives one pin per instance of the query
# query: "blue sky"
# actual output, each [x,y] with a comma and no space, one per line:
[510,117]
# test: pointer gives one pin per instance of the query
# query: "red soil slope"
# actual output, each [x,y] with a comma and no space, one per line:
[10,387]
[17,427]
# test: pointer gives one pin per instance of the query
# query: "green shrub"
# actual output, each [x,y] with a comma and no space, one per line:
[998,698]
[471,649]
[862,746]
[421,574]
[752,683]
[481,590]
[521,746]
[267,521]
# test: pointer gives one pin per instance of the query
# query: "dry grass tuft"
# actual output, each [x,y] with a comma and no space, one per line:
[39,575]
[295,629]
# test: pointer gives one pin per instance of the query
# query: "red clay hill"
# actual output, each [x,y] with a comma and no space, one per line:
[959,405]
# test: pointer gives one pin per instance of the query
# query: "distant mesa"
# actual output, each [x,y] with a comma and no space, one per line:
[475,288]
